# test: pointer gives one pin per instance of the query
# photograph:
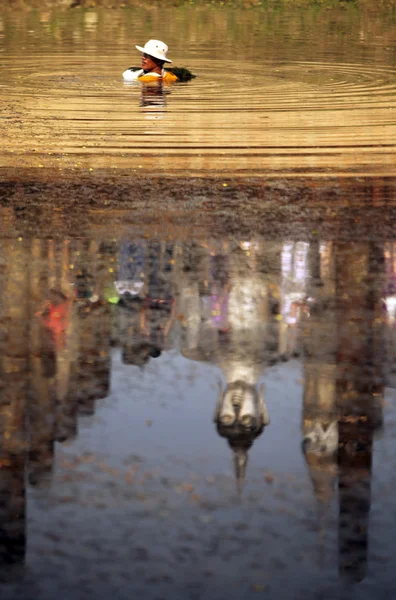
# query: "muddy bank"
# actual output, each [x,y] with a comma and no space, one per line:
[278,208]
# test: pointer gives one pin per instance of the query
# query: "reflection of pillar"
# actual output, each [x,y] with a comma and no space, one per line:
[105,277]
[360,280]
[66,356]
[360,273]
[253,315]
[192,281]
[319,341]
[93,368]
[269,266]
[354,461]
[42,367]
[86,370]
[12,508]
[13,377]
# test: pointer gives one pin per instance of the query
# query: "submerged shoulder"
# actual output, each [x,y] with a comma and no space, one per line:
[132,74]
[170,75]
[179,74]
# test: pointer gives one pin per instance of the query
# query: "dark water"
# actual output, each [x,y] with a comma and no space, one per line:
[120,476]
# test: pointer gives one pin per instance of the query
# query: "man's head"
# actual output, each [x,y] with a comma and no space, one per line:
[150,63]
[154,55]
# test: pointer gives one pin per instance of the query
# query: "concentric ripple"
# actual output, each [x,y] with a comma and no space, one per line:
[67,111]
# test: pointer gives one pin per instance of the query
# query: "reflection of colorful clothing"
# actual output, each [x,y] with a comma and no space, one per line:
[57,317]
[56,320]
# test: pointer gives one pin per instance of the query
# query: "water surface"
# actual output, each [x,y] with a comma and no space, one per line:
[309,91]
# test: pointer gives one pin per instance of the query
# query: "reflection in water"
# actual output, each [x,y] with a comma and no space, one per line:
[147,300]
[241,306]
[13,395]
[303,89]
[232,320]
[153,95]
[343,333]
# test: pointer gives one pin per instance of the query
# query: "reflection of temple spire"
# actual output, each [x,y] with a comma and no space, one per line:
[240,462]
[240,441]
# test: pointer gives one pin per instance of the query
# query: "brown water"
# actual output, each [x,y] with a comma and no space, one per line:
[309,91]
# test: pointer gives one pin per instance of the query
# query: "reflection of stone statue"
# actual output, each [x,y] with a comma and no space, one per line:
[242,404]
[235,325]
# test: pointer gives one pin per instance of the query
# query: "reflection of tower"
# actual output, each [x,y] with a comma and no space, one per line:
[319,341]
[13,377]
[240,440]
[360,274]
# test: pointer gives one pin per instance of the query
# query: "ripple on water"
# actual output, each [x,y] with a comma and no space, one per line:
[296,116]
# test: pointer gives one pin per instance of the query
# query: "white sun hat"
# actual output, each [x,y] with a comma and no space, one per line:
[155,48]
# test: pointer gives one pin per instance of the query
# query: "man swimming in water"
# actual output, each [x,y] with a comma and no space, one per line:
[153,60]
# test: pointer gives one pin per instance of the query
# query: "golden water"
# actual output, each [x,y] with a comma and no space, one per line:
[276,92]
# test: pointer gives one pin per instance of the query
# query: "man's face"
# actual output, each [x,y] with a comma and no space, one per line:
[149,63]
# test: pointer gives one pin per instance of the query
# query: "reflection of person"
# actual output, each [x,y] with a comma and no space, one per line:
[153,94]
[55,316]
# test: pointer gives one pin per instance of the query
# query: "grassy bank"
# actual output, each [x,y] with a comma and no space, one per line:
[247,4]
